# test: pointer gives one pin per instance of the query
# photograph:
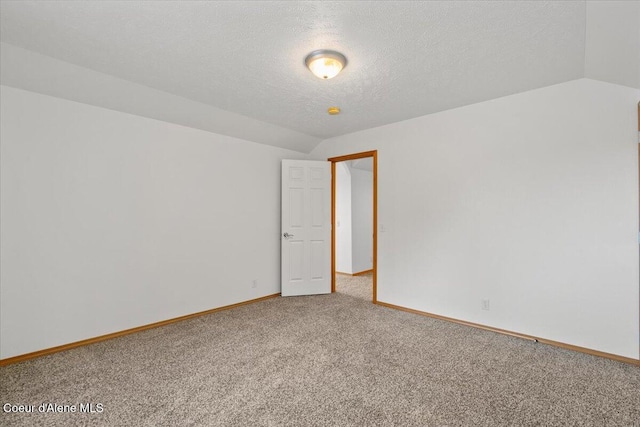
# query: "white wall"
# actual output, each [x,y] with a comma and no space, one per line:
[111,221]
[529,200]
[362,219]
[343,218]
[354,219]
[612,47]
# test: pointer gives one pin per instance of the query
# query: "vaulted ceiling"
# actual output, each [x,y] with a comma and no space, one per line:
[237,67]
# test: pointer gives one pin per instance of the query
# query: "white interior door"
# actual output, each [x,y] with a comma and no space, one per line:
[306,227]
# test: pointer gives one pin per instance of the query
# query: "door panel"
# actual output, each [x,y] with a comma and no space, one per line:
[306,227]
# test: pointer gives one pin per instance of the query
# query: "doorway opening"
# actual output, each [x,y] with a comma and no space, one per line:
[336,162]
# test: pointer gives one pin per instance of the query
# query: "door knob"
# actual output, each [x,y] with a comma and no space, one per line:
[287,235]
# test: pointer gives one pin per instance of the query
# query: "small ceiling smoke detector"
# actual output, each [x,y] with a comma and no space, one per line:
[333,111]
[325,64]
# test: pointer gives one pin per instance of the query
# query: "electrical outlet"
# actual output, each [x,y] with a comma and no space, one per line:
[485,304]
[254,284]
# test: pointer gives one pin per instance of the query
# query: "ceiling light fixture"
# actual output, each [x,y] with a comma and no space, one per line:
[325,64]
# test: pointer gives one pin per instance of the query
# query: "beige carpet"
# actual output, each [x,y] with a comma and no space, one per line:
[356,286]
[333,360]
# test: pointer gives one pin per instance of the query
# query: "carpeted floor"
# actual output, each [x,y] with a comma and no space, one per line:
[355,286]
[332,360]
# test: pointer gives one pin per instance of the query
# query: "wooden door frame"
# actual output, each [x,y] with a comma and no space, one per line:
[374,155]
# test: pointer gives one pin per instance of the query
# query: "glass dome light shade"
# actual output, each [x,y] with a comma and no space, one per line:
[325,64]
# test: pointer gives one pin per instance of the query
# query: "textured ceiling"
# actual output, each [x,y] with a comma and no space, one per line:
[406,59]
